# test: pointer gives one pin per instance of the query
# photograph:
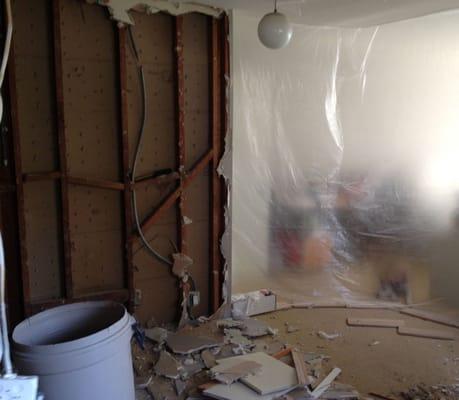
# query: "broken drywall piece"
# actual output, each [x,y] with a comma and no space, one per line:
[339,391]
[274,376]
[119,9]
[142,382]
[254,328]
[253,303]
[209,359]
[187,344]
[180,386]
[234,336]
[232,373]
[325,384]
[375,322]
[168,366]
[187,220]
[229,323]
[328,336]
[238,391]
[158,335]
[181,264]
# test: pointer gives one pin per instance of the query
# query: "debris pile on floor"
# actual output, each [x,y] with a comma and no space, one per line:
[231,359]
[438,392]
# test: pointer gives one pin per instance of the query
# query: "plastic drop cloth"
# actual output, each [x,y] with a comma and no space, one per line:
[346,161]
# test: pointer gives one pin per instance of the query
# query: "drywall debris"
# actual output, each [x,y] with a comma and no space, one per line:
[375,322]
[192,367]
[328,336]
[180,386]
[437,392]
[234,336]
[291,328]
[181,264]
[119,9]
[168,366]
[208,358]
[142,382]
[229,324]
[253,303]
[255,328]
[325,384]
[239,391]
[229,374]
[339,391]
[158,335]
[275,376]
[187,220]
[187,344]
[374,343]
[426,333]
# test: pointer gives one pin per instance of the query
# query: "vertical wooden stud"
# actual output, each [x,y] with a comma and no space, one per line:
[180,126]
[61,135]
[127,211]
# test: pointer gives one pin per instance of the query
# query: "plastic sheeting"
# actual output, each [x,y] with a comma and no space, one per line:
[345,162]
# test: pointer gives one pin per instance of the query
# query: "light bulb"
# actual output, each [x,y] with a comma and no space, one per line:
[274,30]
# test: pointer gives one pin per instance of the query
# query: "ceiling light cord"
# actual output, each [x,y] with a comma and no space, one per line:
[275,6]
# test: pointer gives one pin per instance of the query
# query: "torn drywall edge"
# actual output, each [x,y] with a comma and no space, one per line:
[119,9]
[225,170]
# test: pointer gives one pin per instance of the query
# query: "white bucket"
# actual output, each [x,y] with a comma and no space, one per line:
[80,351]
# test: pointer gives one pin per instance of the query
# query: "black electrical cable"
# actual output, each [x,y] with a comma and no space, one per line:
[138,149]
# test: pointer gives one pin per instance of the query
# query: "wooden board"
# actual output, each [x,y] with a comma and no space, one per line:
[430,316]
[301,368]
[375,322]
[425,333]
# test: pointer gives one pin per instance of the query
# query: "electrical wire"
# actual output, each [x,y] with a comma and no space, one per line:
[6,359]
[7,365]
[138,149]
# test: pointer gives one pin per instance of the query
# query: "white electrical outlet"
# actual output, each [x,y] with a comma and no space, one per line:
[19,388]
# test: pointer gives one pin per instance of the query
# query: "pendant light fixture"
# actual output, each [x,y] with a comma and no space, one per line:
[274,30]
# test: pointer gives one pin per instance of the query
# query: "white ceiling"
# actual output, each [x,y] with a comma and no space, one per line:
[346,13]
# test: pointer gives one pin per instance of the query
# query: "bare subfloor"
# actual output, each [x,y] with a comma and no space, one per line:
[372,359]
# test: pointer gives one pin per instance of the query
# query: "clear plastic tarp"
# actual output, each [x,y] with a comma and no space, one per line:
[346,161]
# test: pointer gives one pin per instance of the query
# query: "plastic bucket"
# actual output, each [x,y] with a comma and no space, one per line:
[80,351]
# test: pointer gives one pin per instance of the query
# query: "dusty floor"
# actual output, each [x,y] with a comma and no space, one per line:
[373,360]
[393,365]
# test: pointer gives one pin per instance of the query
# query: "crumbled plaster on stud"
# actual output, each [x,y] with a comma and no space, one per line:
[119,9]
[225,169]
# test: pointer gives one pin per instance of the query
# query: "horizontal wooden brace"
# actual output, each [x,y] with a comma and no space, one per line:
[170,200]
[74,180]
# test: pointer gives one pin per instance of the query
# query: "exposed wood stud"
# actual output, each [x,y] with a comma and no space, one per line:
[61,134]
[19,182]
[41,176]
[97,183]
[180,125]
[170,200]
[128,220]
